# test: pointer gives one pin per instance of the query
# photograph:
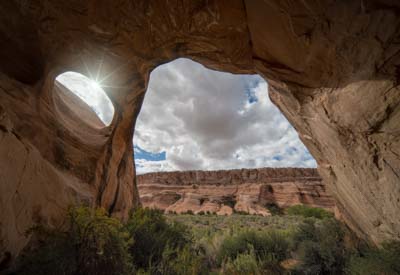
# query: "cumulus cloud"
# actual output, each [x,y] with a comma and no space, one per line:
[203,119]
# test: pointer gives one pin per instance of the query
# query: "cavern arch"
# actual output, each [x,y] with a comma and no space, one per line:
[332,68]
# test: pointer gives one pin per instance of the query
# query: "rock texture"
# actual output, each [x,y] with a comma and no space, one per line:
[332,67]
[222,192]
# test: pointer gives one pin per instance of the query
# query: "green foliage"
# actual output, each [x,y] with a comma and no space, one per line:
[206,227]
[183,261]
[151,243]
[308,212]
[320,247]
[92,244]
[152,235]
[376,261]
[269,246]
[243,264]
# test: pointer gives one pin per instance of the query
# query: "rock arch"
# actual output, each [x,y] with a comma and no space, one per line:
[332,68]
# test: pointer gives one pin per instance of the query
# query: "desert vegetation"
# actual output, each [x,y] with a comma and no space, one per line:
[303,241]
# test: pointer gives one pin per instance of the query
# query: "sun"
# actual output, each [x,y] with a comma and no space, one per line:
[90,90]
[95,84]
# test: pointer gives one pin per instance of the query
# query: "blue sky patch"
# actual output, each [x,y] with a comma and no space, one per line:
[291,150]
[277,158]
[249,88]
[149,156]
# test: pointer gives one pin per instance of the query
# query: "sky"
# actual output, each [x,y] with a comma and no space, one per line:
[194,118]
[90,92]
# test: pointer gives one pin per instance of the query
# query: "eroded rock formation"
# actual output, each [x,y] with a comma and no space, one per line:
[222,192]
[332,68]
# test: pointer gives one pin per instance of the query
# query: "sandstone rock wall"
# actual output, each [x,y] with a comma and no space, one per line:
[332,68]
[221,192]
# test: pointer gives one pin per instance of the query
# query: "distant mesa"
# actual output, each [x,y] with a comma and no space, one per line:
[227,191]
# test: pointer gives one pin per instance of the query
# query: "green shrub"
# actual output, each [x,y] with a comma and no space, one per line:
[183,261]
[319,246]
[376,261]
[92,244]
[243,264]
[307,212]
[152,236]
[95,244]
[268,246]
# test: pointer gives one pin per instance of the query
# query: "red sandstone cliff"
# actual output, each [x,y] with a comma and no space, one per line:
[247,190]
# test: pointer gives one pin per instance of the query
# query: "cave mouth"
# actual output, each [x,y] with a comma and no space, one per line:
[195,118]
[90,92]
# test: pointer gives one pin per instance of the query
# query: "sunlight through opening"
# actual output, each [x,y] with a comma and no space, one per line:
[91,92]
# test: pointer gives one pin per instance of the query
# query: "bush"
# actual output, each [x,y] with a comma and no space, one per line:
[308,212]
[92,244]
[377,261]
[320,247]
[184,261]
[152,236]
[268,247]
[243,264]
[95,244]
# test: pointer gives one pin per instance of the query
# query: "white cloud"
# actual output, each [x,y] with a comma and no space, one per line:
[203,119]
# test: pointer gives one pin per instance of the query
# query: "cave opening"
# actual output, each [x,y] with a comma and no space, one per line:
[208,135]
[90,93]
[195,118]
[333,69]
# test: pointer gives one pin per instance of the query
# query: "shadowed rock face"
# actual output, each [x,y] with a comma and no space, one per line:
[221,192]
[332,67]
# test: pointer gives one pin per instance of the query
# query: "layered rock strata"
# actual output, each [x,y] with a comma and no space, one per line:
[332,68]
[223,192]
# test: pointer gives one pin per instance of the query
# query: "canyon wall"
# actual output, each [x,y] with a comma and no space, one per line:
[332,68]
[226,191]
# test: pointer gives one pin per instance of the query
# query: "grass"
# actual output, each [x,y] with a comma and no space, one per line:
[206,226]
[308,212]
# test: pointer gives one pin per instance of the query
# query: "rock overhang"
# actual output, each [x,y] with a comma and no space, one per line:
[332,68]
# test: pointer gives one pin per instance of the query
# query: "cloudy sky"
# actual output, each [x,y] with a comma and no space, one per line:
[196,118]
